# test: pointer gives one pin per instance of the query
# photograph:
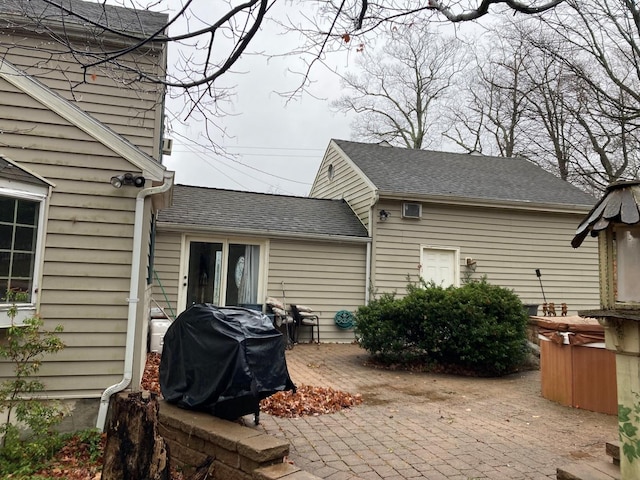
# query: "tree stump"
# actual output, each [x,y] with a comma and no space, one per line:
[134,449]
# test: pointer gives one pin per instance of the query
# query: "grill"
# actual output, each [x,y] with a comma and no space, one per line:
[223,361]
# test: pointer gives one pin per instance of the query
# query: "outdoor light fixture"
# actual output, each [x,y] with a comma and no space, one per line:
[471,263]
[128,179]
[384,215]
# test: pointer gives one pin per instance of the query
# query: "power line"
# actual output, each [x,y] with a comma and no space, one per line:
[193,149]
[273,148]
[260,154]
[205,160]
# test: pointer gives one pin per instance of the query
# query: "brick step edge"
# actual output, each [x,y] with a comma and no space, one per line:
[613,450]
[589,471]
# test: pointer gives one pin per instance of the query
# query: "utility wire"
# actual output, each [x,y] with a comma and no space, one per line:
[189,144]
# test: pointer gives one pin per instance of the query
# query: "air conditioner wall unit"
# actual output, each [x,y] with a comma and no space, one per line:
[411,210]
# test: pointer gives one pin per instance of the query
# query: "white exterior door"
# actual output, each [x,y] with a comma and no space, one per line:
[439,266]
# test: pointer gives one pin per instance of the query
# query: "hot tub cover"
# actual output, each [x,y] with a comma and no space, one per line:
[222,360]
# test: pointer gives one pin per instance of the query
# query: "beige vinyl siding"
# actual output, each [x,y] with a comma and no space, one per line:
[327,277]
[88,245]
[347,183]
[508,246]
[131,108]
[167,265]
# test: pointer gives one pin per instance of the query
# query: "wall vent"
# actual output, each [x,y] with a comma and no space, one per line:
[411,210]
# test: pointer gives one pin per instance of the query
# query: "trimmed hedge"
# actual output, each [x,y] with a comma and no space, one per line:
[478,327]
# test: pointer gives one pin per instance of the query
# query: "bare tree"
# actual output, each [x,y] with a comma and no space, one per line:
[216,37]
[490,118]
[601,57]
[400,90]
[564,97]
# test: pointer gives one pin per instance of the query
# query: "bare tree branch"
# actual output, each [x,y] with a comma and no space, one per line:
[401,91]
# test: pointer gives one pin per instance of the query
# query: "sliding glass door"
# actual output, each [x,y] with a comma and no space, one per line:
[222,273]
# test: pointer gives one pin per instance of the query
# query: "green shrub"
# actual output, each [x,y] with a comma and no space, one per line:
[478,327]
[27,431]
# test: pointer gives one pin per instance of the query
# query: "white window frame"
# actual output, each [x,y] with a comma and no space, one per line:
[34,193]
[225,241]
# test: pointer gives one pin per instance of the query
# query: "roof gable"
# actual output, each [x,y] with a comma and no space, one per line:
[81,119]
[402,171]
[88,16]
[217,209]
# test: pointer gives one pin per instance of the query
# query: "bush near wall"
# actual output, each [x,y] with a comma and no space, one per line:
[479,328]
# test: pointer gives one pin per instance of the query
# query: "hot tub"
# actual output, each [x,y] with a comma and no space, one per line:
[575,368]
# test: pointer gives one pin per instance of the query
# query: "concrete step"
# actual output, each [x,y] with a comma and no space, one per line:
[613,450]
[589,471]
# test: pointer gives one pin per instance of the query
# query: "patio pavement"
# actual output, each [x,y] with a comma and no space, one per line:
[416,425]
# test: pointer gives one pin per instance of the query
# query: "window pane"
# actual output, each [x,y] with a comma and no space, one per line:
[7,206]
[4,285]
[5,257]
[242,274]
[204,273]
[628,264]
[22,265]
[23,286]
[6,236]
[27,212]
[25,239]
[18,238]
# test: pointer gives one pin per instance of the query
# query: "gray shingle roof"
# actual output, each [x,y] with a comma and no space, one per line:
[230,209]
[396,171]
[143,22]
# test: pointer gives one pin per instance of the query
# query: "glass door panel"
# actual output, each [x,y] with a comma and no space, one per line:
[242,275]
[205,273]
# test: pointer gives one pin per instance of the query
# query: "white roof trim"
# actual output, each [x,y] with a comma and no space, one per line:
[28,170]
[82,120]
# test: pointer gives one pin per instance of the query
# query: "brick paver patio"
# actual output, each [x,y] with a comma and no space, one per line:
[415,425]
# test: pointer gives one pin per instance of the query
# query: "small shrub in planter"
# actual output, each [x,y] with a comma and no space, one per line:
[480,328]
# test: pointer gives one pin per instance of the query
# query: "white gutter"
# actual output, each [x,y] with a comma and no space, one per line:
[133,298]
[367,275]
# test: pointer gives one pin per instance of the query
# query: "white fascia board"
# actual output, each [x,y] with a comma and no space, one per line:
[81,119]
[483,202]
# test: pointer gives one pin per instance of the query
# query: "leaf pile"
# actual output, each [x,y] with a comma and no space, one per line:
[308,401]
[76,461]
[151,376]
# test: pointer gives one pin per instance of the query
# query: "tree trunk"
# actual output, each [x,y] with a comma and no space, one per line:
[134,449]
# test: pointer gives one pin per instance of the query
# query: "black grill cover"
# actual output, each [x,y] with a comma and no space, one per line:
[222,360]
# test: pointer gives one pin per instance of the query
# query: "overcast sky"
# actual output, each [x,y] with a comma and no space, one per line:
[277,142]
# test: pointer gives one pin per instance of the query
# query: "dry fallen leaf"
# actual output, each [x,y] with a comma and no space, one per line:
[308,401]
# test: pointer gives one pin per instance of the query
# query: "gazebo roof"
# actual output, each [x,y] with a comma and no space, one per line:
[620,203]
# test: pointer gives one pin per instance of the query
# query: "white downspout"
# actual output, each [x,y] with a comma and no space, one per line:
[132,300]
[367,266]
